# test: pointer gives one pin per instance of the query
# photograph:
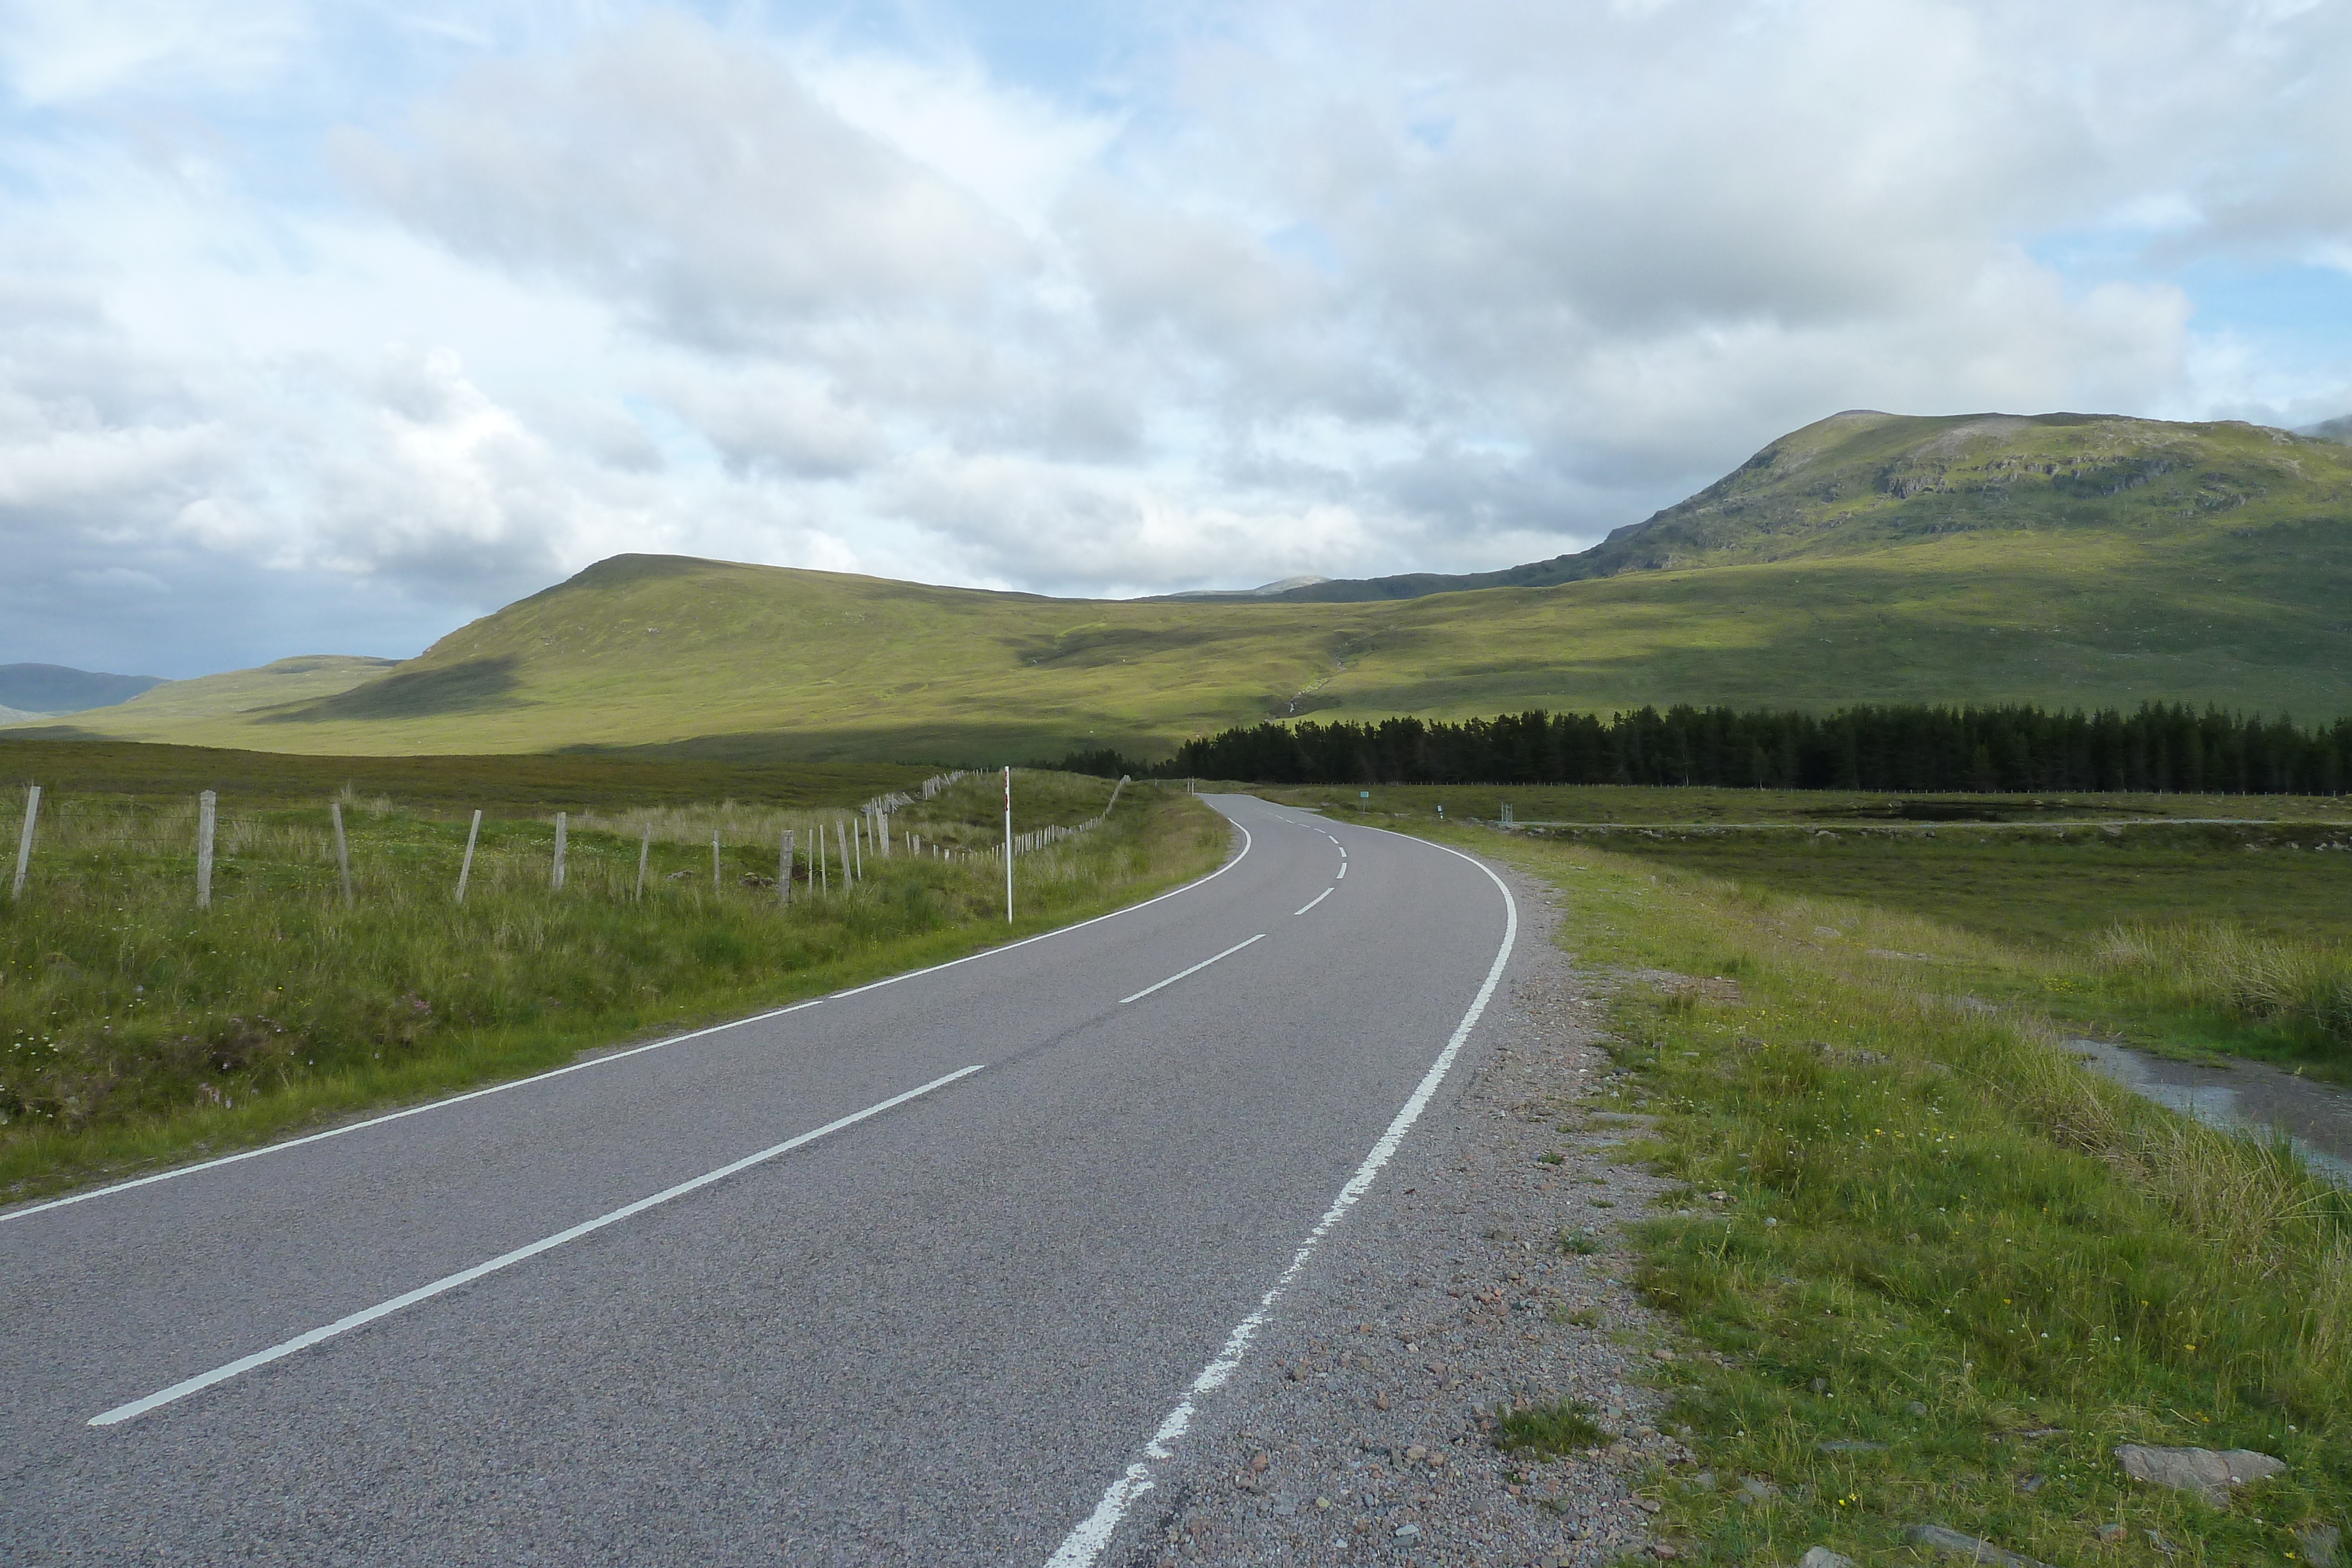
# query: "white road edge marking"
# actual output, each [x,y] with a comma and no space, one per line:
[138,1407]
[1248,844]
[1194,970]
[1085,1543]
[1317,899]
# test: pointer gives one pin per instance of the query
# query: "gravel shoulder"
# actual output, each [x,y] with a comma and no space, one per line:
[1357,1431]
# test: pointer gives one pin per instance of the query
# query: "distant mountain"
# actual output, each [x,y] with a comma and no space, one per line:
[1862,479]
[1288,585]
[37,689]
[2063,559]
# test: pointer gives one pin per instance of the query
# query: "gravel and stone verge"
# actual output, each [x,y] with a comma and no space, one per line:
[1359,1430]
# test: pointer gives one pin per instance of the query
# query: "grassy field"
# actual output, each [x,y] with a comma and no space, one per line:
[135,1027]
[2202,564]
[1938,1269]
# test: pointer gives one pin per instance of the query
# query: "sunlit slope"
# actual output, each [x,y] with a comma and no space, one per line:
[249,691]
[1863,480]
[2063,561]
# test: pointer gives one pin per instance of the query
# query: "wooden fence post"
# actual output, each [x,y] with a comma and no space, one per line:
[343,850]
[25,841]
[207,821]
[714,862]
[784,870]
[823,875]
[841,842]
[857,845]
[555,878]
[466,867]
[644,849]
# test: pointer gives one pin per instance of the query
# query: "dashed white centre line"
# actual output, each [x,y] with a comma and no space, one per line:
[1343,873]
[1315,899]
[1194,970]
[506,1259]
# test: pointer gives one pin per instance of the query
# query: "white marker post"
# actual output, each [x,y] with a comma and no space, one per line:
[644,852]
[207,821]
[714,862]
[555,877]
[466,867]
[25,841]
[1008,846]
[343,850]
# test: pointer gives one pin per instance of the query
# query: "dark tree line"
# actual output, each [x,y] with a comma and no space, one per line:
[2169,749]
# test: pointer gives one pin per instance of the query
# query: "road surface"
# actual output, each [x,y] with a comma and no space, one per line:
[916,1273]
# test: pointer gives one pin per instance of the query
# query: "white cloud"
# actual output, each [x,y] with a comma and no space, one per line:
[354,309]
[699,183]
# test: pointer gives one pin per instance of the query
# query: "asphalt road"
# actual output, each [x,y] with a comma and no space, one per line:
[935,1335]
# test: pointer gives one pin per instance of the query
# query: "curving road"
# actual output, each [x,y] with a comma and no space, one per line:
[924,1272]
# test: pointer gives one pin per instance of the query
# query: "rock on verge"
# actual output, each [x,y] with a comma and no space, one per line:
[1823,1557]
[2205,1472]
[1967,1548]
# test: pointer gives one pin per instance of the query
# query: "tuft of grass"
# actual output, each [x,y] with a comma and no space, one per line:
[1554,1431]
[2303,988]
[1576,1243]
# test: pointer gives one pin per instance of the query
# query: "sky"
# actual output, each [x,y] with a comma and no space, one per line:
[329,328]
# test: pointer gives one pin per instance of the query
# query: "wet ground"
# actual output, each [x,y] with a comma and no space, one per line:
[2242,1096]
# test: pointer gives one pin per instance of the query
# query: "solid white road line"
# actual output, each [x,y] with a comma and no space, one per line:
[466,1276]
[1194,970]
[1084,1544]
[1248,844]
[1315,899]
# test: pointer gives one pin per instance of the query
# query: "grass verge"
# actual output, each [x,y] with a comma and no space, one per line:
[1949,1270]
[136,1029]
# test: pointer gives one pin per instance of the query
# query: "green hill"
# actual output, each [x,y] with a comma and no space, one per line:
[2064,560]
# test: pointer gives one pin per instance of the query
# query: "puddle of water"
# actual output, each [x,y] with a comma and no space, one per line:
[2241,1097]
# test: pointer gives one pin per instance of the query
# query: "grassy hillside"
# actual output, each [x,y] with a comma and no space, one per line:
[2062,560]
